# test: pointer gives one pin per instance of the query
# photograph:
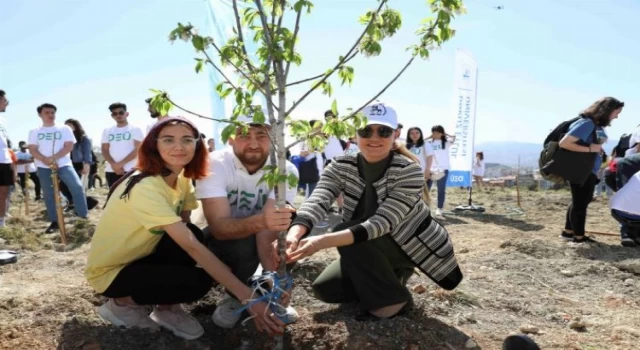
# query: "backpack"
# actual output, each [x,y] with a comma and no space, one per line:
[623,145]
[551,146]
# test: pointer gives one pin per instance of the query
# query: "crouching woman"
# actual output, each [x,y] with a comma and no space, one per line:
[145,250]
[386,228]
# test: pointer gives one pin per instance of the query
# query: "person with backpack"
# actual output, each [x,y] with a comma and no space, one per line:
[586,136]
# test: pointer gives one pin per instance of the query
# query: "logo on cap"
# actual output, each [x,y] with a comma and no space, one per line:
[378,110]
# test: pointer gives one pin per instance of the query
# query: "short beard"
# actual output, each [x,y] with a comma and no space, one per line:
[252,161]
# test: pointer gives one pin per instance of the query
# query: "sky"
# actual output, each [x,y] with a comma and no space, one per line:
[540,62]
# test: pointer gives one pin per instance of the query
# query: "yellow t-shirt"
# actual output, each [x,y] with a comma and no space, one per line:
[130,229]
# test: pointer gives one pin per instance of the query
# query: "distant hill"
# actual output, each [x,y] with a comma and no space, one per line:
[507,152]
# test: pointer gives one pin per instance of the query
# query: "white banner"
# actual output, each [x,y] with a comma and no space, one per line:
[461,154]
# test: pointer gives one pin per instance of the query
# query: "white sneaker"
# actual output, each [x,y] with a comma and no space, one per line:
[290,315]
[179,322]
[126,315]
[439,212]
[224,316]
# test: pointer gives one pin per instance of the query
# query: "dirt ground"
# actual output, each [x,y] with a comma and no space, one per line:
[519,276]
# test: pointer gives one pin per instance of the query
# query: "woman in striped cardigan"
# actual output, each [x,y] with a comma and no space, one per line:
[386,228]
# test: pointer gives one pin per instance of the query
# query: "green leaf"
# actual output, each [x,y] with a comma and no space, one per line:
[334,107]
[292,180]
[199,65]
[326,88]
[228,132]
[198,42]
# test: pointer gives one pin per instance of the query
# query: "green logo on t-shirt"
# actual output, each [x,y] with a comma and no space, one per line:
[121,136]
[246,199]
[49,136]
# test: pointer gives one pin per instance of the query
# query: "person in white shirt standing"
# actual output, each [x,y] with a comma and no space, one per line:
[478,169]
[440,143]
[6,171]
[51,147]
[240,211]
[154,114]
[423,151]
[120,144]
[27,166]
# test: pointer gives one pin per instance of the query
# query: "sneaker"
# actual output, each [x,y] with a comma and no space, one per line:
[288,315]
[567,236]
[585,239]
[224,316]
[179,322]
[126,315]
[69,208]
[53,227]
[38,198]
[439,212]
[627,242]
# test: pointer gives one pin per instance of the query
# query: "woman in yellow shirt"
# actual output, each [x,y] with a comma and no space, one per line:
[145,251]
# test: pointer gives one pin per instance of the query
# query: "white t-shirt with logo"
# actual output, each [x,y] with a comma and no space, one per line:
[50,140]
[626,199]
[121,143]
[5,155]
[440,155]
[25,168]
[421,153]
[229,178]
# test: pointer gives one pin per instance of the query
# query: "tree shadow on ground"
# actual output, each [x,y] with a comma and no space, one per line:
[413,330]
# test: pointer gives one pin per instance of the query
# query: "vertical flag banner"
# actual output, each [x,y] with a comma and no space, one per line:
[461,154]
[220,24]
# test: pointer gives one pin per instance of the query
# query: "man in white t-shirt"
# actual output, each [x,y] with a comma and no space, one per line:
[51,147]
[27,166]
[243,221]
[120,144]
[154,114]
[626,206]
[6,170]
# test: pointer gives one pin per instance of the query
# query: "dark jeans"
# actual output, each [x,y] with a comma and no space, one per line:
[34,178]
[581,196]
[375,273]
[629,224]
[112,178]
[442,188]
[308,188]
[167,276]
[241,255]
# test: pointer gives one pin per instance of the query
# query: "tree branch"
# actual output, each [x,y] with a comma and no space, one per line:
[320,75]
[328,74]
[220,71]
[293,44]
[241,36]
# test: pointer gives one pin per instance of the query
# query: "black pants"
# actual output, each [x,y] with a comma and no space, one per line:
[373,273]
[581,196]
[93,176]
[34,178]
[112,178]
[241,255]
[168,276]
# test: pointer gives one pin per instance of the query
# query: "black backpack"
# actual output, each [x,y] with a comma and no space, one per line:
[623,145]
[550,147]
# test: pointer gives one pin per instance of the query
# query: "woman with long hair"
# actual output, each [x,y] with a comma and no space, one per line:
[478,169]
[441,143]
[386,230]
[587,135]
[80,157]
[145,251]
[423,151]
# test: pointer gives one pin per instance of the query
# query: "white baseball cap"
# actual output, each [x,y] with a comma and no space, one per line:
[249,119]
[381,114]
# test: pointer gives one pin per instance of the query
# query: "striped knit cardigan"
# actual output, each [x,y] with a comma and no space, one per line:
[402,213]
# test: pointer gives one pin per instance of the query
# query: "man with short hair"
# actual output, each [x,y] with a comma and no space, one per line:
[120,144]
[399,137]
[51,147]
[154,114]
[6,170]
[243,221]
[26,166]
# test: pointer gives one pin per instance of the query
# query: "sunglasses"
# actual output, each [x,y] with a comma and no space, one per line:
[113,114]
[383,131]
